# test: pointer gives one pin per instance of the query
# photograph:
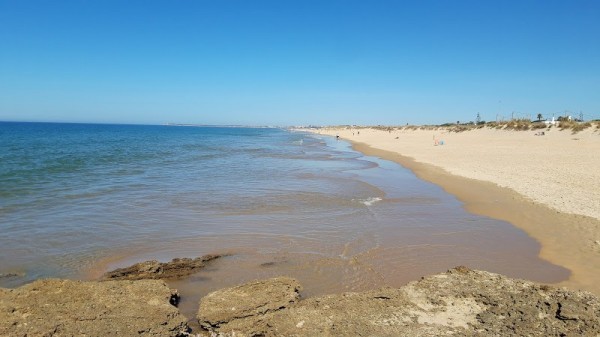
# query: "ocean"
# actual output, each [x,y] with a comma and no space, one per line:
[79,199]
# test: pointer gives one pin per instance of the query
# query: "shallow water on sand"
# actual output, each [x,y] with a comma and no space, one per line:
[76,200]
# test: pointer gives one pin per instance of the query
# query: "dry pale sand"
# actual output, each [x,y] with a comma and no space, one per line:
[548,185]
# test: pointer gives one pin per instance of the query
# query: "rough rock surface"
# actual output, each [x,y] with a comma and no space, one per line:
[250,300]
[459,302]
[55,307]
[177,268]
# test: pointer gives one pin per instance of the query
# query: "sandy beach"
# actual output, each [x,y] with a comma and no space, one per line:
[548,185]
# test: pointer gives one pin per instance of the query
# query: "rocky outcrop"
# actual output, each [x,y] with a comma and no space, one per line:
[55,307]
[11,275]
[247,302]
[459,302]
[175,269]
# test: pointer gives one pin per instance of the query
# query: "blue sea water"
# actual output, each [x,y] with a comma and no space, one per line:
[77,199]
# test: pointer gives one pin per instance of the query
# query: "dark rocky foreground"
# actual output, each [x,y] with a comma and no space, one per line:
[460,302]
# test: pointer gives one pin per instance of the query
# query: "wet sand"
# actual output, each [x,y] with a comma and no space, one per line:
[567,239]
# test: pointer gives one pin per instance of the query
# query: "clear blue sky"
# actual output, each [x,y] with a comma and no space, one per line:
[292,62]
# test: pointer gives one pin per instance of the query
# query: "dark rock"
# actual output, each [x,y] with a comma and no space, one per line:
[461,302]
[11,275]
[74,308]
[276,262]
[175,269]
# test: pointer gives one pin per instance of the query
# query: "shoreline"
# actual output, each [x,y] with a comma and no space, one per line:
[568,240]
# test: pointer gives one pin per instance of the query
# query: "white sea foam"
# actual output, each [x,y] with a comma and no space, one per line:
[370,201]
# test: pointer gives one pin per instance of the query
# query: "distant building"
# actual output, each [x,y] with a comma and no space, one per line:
[552,122]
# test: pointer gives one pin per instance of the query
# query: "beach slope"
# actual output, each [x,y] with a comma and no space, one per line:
[548,185]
